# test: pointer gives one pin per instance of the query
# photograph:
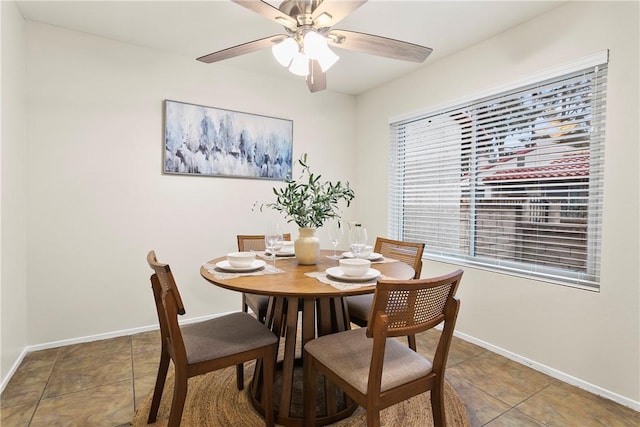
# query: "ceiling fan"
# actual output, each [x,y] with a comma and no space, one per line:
[305,47]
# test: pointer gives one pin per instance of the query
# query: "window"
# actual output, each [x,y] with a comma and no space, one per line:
[510,182]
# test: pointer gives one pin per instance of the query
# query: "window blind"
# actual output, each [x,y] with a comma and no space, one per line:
[511,182]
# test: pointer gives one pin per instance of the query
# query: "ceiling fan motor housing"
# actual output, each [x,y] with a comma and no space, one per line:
[293,8]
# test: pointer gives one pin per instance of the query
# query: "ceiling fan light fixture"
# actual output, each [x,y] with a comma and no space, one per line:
[327,60]
[300,64]
[285,51]
[315,45]
[304,49]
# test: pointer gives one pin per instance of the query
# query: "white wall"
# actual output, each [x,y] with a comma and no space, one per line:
[13,296]
[98,201]
[594,337]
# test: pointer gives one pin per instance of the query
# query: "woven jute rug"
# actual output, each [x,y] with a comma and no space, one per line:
[214,401]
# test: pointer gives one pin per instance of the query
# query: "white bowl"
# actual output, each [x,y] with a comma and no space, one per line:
[354,267]
[366,251]
[241,259]
[287,247]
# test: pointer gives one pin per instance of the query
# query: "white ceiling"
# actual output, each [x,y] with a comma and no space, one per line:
[195,28]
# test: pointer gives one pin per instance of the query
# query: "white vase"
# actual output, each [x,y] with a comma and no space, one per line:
[307,246]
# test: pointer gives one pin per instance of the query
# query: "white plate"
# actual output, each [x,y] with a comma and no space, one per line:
[336,273]
[285,254]
[281,254]
[373,256]
[255,265]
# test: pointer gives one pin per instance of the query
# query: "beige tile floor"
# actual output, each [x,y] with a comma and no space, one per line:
[99,384]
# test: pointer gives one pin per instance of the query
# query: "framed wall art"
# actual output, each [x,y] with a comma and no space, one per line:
[209,141]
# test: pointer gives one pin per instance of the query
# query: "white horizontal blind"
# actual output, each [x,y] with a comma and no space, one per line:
[510,182]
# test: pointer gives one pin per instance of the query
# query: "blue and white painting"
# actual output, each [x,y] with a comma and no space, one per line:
[216,142]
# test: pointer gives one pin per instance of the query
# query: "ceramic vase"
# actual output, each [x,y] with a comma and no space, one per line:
[307,246]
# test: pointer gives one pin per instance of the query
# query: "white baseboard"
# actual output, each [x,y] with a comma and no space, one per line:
[13,369]
[554,373]
[86,339]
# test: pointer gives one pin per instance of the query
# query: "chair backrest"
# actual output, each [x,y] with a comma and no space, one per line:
[407,307]
[413,306]
[407,252]
[255,242]
[169,306]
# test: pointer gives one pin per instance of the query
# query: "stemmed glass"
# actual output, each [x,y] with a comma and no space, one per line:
[357,239]
[335,235]
[273,241]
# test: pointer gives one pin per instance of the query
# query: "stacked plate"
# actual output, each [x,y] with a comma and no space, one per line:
[373,256]
[284,252]
[255,265]
[337,274]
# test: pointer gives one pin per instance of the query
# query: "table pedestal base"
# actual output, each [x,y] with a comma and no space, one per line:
[320,316]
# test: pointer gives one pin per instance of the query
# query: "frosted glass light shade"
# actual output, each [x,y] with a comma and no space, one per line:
[285,51]
[316,47]
[326,61]
[300,64]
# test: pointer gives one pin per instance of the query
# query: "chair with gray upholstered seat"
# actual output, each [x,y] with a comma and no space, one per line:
[198,348]
[375,369]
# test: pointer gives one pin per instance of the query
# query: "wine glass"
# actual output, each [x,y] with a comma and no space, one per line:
[335,235]
[357,239]
[273,241]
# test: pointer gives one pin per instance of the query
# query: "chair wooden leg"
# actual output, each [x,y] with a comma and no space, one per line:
[412,342]
[437,405]
[269,363]
[245,307]
[179,396]
[163,367]
[310,389]
[373,418]
[240,376]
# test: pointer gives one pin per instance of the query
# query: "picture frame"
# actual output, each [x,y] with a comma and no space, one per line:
[209,141]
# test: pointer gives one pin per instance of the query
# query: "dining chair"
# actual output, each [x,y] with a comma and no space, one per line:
[359,306]
[375,369]
[198,348]
[257,303]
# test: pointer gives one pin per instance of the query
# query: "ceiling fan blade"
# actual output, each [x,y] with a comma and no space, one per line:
[265,9]
[316,79]
[241,49]
[330,12]
[378,45]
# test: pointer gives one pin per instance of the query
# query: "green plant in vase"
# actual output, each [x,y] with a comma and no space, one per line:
[309,202]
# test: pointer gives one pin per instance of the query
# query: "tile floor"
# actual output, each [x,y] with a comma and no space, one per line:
[99,384]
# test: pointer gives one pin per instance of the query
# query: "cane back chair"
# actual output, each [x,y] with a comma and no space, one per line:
[359,306]
[257,303]
[378,371]
[198,348]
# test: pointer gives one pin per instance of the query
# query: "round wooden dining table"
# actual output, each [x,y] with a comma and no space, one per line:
[322,311]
